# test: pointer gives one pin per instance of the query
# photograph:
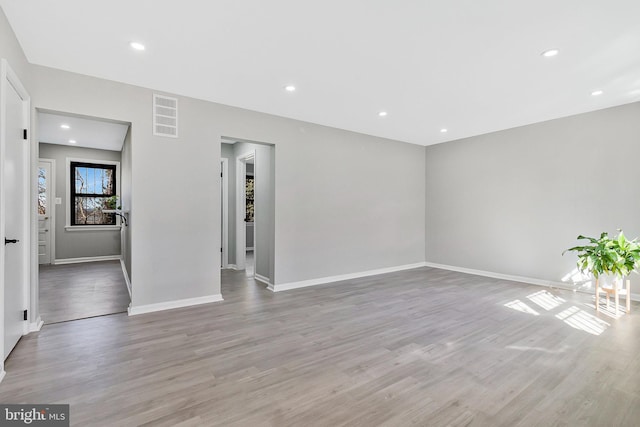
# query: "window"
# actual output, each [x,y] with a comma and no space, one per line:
[249,181]
[92,186]
[42,191]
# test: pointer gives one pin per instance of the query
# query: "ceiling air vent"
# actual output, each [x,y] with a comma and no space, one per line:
[165,116]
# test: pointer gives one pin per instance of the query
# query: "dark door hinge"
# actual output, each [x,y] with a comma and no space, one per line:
[24,134]
[25,315]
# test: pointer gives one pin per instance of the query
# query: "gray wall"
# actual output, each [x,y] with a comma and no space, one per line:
[11,51]
[85,243]
[125,201]
[510,202]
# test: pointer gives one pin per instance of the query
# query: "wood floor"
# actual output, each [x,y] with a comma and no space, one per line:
[423,347]
[78,291]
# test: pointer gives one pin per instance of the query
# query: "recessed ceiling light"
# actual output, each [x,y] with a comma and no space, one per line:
[63,126]
[72,141]
[136,45]
[382,113]
[290,88]
[596,93]
[549,53]
[443,130]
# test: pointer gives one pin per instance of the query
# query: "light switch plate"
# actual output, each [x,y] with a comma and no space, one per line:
[58,200]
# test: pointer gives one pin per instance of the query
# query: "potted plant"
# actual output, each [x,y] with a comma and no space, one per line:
[609,260]
[111,203]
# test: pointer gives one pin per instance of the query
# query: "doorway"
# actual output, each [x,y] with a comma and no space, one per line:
[82,216]
[250,222]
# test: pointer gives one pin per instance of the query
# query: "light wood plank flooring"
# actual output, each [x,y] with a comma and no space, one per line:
[424,347]
[78,291]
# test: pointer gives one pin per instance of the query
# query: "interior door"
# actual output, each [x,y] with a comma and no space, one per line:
[44,212]
[14,214]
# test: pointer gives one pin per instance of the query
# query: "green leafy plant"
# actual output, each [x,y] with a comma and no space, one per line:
[111,203]
[616,256]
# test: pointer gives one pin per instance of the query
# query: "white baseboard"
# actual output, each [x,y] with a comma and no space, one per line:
[231,267]
[331,279]
[126,276]
[169,305]
[263,279]
[86,259]
[2,374]
[36,326]
[521,279]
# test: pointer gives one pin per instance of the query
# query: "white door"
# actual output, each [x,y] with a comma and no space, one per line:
[45,208]
[15,217]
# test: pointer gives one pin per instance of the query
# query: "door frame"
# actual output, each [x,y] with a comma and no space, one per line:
[52,208]
[241,227]
[9,77]
[224,188]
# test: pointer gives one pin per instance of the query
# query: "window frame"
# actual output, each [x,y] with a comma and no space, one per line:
[70,202]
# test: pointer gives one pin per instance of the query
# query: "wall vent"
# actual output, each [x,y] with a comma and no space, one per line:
[165,116]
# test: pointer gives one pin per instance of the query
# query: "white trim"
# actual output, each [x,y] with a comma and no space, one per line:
[75,228]
[169,305]
[341,277]
[2,374]
[224,184]
[521,279]
[87,259]
[67,209]
[265,280]
[126,276]
[37,325]
[231,267]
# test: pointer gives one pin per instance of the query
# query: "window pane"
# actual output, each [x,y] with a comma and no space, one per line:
[88,211]
[94,181]
[42,192]
[249,192]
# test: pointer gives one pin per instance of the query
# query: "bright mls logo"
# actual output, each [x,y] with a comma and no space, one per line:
[34,415]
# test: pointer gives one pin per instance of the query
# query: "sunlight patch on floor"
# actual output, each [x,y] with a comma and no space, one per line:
[580,319]
[562,349]
[609,312]
[522,307]
[546,300]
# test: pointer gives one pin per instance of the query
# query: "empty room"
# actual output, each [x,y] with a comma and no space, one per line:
[327,213]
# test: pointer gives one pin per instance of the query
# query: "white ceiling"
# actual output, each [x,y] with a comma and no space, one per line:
[89,133]
[469,66]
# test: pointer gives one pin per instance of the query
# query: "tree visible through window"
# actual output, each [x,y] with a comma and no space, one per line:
[92,184]
[249,198]
[42,192]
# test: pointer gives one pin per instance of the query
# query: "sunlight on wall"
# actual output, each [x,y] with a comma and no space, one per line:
[578,279]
